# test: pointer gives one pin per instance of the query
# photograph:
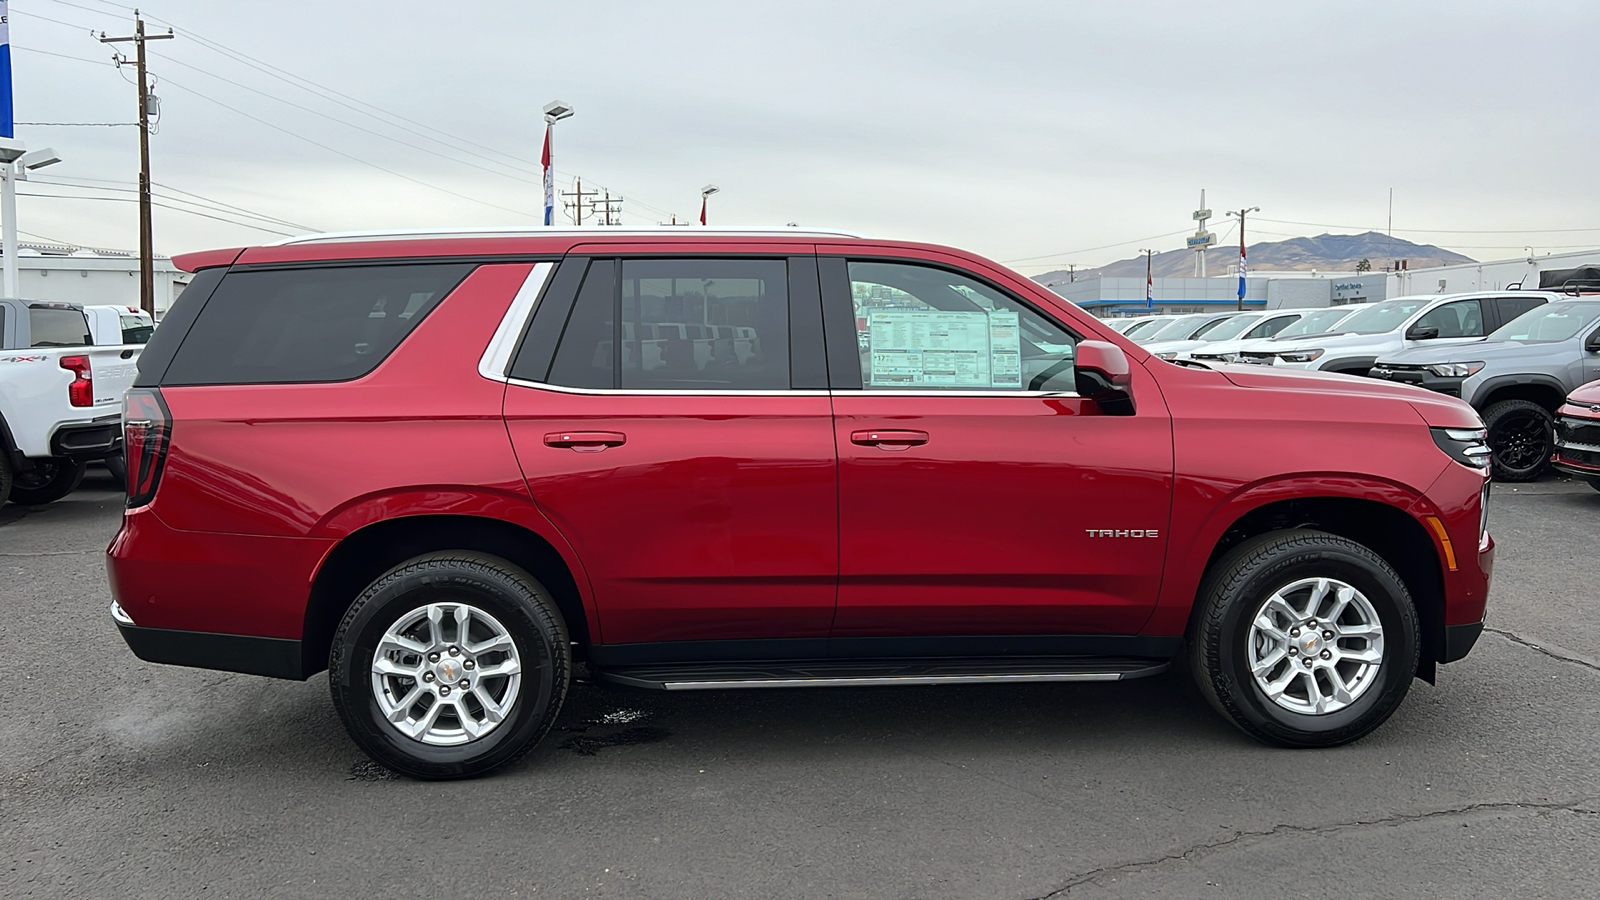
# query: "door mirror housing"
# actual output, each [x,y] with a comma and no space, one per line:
[1592,342]
[1104,376]
[1422,333]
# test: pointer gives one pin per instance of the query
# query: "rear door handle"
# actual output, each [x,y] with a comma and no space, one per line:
[888,439]
[585,441]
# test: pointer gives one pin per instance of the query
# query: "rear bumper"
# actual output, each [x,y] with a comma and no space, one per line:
[89,440]
[1458,640]
[273,657]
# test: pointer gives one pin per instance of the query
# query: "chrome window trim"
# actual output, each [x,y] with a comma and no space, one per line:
[634,392]
[496,357]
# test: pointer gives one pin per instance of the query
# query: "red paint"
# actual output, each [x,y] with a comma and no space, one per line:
[770,515]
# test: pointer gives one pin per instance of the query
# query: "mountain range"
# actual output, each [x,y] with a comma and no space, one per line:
[1324,253]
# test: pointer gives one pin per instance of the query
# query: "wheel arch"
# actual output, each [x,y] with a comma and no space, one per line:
[1387,529]
[1545,391]
[360,557]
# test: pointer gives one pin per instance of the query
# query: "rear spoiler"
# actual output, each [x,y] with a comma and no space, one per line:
[206,259]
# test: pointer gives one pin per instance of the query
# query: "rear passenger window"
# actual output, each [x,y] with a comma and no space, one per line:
[918,327]
[681,324]
[57,326]
[308,325]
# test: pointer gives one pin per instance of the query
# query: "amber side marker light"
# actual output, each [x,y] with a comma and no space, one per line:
[1444,538]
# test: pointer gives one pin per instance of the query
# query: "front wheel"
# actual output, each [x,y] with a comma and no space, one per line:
[1305,639]
[1521,439]
[450,665]
[48,481]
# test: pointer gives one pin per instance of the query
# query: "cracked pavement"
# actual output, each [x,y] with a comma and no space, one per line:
[119,778]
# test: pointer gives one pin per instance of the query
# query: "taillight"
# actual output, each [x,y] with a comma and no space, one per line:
[146,435]
[81,391]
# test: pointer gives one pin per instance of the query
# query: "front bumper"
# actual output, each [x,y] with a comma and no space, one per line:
[273,657]
[1417,376]
[1459,640]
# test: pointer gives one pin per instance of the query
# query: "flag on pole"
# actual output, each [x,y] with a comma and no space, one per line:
[702,210]
[549,181]
[7,128]
[1244,266]
[1149,288]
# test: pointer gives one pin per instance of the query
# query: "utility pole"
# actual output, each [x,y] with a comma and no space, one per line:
[578,194]
[609,208]
[1244,267]
[147,268]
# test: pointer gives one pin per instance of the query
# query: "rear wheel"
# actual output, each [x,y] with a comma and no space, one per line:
[5,476]
[118,467]
[1304,639]
[48,481]
[1595,483]
[450,665]
[1521,439]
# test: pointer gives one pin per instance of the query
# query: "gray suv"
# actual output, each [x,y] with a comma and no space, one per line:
[1516,378]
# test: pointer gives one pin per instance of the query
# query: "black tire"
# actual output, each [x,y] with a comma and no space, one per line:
[1237,587]
[118,467]
[5,476]
[1521,439]
[518,602]
[48,481]
[1595,483]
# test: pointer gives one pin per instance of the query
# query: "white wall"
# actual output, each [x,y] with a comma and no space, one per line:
[1487,276]
[95,280]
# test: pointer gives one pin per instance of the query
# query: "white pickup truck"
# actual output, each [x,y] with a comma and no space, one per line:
[60,399]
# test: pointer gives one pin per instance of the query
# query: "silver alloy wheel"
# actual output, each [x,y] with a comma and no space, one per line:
[1315,646]
[446,673]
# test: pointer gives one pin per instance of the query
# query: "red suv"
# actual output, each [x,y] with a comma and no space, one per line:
[447,466]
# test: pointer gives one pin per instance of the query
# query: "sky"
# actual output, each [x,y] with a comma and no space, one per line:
[1035,133]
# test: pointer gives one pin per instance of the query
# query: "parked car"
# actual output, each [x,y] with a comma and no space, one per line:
[1310,321]
[1578,435]
[1517,378]
[118,325]
[1242,325]
[60,399]
[445,466]
[1390,326]
[1146,325]
[1184,328]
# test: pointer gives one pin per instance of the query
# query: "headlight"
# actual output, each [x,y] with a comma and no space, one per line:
[1300,356]
[1455,370]
[1468,446]
[1169,355]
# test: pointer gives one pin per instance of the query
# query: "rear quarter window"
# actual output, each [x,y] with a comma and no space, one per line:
[308,325]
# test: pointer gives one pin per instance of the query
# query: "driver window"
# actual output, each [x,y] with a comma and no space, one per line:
[924,328]
[1463,319]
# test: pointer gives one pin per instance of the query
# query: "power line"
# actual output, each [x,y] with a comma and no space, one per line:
[1435,230]
[81,124]
[519,212]
[163,206]
[207,204]
[1092,249]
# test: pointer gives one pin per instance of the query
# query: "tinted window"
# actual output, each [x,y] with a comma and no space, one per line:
[136,330]
[58,326]
[685,324]
[1271,326]
[1555,322]
[1463,319]
[308,325]
[583,357]
[918,327]
[1511,307]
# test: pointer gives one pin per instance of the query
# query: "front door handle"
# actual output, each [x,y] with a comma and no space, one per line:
[585,441]
[888,439]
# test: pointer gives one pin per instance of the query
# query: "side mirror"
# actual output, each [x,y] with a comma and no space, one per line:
[1103,375]
[1422,333]
[1592,343]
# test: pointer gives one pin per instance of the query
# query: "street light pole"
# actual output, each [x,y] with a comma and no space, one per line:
[554,111]
[706,192]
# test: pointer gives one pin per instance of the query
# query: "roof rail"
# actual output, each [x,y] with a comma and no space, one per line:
[404,234]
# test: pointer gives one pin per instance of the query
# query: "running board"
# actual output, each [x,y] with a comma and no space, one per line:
[867,673]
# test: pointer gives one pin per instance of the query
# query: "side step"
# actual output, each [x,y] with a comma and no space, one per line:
[881,673]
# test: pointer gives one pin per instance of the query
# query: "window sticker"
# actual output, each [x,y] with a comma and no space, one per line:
[934,348]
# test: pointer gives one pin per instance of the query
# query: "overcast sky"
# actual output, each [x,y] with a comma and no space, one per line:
[1038,133]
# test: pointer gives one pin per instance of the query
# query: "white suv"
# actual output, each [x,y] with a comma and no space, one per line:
[1399,324]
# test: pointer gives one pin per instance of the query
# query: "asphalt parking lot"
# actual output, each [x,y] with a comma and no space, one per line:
[123,779]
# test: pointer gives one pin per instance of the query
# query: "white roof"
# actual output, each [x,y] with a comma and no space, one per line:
[403,234]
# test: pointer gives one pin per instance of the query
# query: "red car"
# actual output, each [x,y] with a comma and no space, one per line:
[446,466]
[1578,434]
